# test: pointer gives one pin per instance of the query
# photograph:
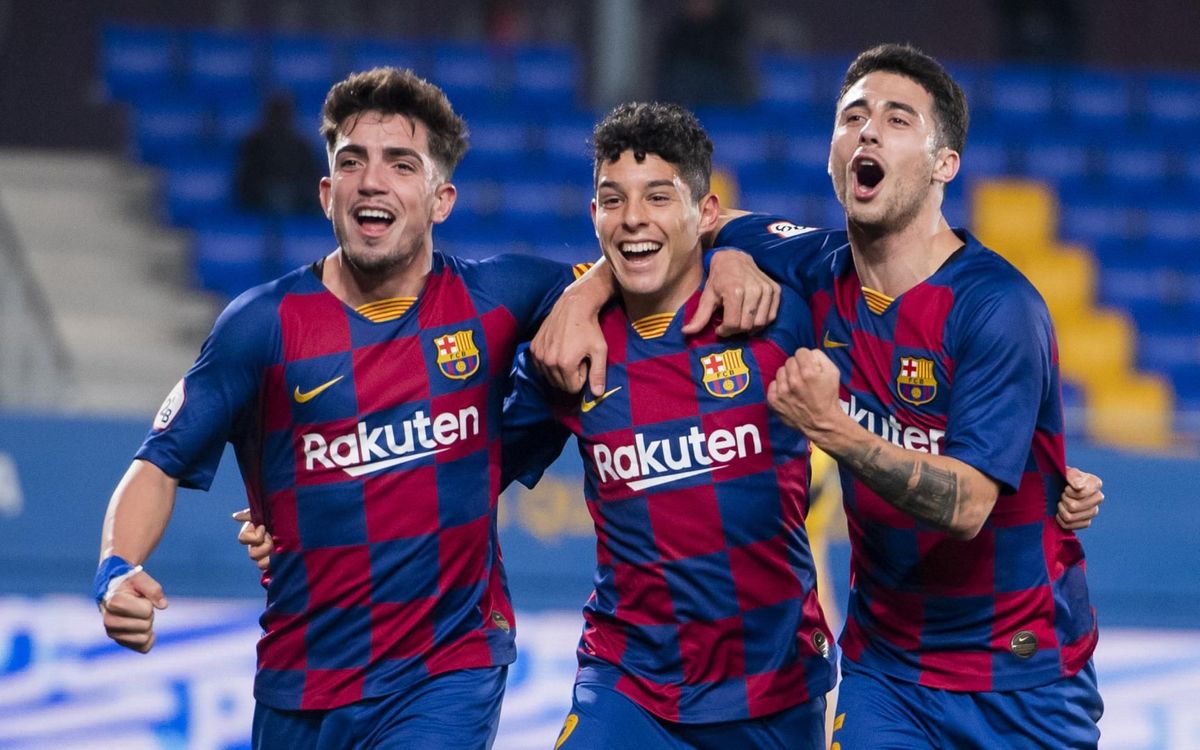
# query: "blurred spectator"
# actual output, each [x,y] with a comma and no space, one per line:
[278,170]
[704,56]
[1040,30]
[504,22]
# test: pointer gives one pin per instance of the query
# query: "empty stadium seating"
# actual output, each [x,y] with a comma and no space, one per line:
[1126,194]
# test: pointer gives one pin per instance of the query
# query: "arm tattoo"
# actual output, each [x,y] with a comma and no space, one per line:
[916,487]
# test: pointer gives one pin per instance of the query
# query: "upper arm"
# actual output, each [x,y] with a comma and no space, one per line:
[190,430]
[1002,371]
[526,285]
[785,251]
[532,436]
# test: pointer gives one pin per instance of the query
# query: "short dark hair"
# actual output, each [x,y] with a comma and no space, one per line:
[668,130]
[397,91]
[949,102]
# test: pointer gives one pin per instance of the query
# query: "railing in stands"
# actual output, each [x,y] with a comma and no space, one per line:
[35,368]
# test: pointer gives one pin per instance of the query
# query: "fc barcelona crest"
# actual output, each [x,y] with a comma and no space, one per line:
[916,383]
[457,356]
[725,374]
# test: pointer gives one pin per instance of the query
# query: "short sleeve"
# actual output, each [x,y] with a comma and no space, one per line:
[1003,371]
[526,285]
[190,430]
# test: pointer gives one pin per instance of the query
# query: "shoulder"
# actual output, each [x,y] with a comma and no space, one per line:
[256,312]
[989,290]
[768,228]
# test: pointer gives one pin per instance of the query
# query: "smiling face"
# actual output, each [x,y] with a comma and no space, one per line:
[884,158]
[384,193]
[649,228]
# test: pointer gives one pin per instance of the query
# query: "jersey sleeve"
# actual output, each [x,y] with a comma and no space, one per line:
[1003,370]
[527,286]
[200,415]
[532,437]
[784,250]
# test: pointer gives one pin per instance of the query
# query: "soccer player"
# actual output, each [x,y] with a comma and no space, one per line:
[704,629]
[362,395]
[936,388]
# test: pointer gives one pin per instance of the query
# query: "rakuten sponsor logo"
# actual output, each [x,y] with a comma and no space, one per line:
[649,463]
[367,450]
[890,429]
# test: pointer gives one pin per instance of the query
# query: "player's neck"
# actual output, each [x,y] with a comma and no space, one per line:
[639,306]
[894,262]
[356,287]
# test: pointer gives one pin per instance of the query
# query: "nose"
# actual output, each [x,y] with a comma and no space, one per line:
[633,215]
[869,133]
[372,181]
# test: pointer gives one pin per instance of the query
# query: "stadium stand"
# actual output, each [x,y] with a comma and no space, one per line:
[1101,229]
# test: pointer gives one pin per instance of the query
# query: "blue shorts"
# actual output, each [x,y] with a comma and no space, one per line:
[882,713]
[458,710]
[602,719]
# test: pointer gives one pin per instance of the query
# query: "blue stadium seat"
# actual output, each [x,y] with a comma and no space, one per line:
[568,137]
[1056,159]
[1021,96]
[985,155]
[1132,169]
[789,84]
[1172,102]
[198,185]
[231,254]
[169,125]
[234,117]
[1098,102]
[546,78]
[1090,217]
[738,139]
[139,62]
[500,139]
[303,241]
[303,65]
[222,63]
[378,53]
[477,79]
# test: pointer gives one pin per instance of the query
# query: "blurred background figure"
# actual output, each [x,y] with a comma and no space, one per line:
[704,55]
[1040,30]
[278,170]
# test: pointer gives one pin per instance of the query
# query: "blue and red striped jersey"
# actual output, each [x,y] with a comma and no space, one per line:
[371,452]
[964,364]
[705,604]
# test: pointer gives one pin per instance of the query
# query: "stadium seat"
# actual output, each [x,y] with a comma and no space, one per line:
[198,185]
[304,240]
[169,125]
[1021,96]
[1172,102]
[1098,103]
[303,65]
[222,63]
[231,254]
[139,63]
[546,79]
[788,84]
[376,53]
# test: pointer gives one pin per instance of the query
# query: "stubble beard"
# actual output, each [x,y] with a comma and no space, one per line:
[376,265]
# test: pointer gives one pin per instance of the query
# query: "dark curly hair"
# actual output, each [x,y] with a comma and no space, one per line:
[397,91]
[949,102]
[668,130]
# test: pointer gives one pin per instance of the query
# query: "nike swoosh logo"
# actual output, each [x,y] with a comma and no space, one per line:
[831,344]
[305,397]
[589,405]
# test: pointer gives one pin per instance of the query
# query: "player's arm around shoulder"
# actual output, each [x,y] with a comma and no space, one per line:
[137,516]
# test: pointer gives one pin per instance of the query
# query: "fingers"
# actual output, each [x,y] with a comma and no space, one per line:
[242,515]
[251,534]
[595,376]
[733,311]
[143,585]
[1076,520]
[705,308]
[129,612]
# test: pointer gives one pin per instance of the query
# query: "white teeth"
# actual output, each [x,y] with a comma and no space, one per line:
[636,248]
[373,213]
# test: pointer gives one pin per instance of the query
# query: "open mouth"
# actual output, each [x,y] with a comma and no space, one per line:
[868,173]
[374,220]
[638,251]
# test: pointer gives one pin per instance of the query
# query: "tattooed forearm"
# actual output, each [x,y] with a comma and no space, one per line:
[924,491]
